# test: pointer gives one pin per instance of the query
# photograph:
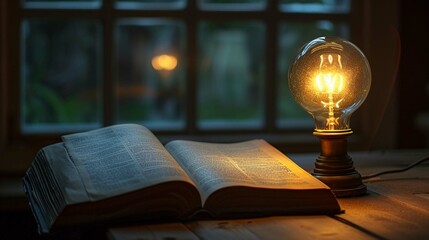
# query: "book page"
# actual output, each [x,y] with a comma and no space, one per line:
[65,174]
[253,163]
[119,159]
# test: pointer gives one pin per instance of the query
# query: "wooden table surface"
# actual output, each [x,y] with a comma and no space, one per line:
[396,207]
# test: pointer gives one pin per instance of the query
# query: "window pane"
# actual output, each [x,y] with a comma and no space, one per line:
[232,5]
[150,58]
[151,4]
[230,74]
[292,36]
[60,75]
[315,6]
[58,4]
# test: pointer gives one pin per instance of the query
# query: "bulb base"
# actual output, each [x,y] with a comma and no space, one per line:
[335,167]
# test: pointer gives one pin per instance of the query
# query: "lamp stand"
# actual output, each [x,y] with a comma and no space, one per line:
[335,167]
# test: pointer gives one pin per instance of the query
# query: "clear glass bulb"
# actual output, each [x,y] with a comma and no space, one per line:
[330,78]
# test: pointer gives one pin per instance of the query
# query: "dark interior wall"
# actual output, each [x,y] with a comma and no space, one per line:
[381,43]
[414,75]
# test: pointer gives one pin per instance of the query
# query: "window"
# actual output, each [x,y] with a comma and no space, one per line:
[60,75]
[230,82]
[193,68]
[63,80]
[149,79]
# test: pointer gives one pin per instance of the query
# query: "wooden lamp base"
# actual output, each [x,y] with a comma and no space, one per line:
[335,167]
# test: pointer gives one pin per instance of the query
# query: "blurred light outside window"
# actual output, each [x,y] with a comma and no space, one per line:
[150,80]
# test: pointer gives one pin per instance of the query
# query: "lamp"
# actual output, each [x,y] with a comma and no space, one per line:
[330,78]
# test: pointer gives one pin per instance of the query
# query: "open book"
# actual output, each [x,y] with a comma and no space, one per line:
[124,173]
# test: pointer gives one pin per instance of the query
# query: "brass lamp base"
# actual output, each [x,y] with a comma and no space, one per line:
[335,167]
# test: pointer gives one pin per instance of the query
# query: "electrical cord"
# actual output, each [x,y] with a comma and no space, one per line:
[396,170]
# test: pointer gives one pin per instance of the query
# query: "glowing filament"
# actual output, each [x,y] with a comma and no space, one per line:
[330,81]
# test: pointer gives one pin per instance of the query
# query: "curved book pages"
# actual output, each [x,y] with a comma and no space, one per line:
[123,173]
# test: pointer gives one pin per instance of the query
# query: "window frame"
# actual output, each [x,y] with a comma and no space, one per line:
[20,148]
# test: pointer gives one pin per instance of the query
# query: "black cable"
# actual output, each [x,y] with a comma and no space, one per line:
[396,170]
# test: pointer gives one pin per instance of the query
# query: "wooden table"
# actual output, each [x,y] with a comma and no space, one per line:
[396,207]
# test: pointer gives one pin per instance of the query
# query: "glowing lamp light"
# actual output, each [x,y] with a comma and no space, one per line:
[330,78]
[164,62]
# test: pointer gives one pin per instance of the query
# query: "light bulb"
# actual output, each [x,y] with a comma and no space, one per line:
[330,78]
